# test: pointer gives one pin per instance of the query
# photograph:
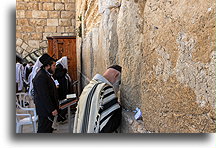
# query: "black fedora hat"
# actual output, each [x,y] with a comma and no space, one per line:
[46,59]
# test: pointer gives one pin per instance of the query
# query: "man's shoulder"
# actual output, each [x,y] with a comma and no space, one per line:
[41,75]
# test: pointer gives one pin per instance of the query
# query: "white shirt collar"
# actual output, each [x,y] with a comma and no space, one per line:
[99,77]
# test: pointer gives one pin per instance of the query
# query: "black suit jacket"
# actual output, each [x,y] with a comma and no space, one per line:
[45,94]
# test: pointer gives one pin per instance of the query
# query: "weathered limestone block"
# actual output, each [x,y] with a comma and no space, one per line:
[48,6]
[130,42]
[19,50]
[28,28]
[21,6]
[67,14]
[22,22]
[64,22]
[36,36]
[39,29]
[37,22]
[60,29]
[33,43]
[39,14]
[20,14]
[59,6]
[19,42]
[24,46]
[32,6]
[54,14]
[70,6]
[28,14]
[50,29]
[52,22]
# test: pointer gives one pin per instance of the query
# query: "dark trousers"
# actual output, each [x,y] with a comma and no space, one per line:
[45,124]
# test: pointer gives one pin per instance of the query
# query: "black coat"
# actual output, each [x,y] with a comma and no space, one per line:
[64,83]
[45,94]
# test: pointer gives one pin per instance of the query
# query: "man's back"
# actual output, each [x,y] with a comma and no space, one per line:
[44,93]
[98,109]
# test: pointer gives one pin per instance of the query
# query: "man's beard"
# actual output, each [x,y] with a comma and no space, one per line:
[50,71]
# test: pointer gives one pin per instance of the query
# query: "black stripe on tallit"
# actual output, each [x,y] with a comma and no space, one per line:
[108,105]
[108,94]
[107,87]
[87,109]
[110,114]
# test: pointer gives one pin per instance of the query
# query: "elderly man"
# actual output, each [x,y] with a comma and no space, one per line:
[98,110]
[45,94]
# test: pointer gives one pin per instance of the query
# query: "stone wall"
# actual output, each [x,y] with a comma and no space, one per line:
[35,20]
[167,51]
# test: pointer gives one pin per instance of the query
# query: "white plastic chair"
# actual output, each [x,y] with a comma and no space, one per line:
[29,117]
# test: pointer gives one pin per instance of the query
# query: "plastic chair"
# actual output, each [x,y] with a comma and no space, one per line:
[23,102]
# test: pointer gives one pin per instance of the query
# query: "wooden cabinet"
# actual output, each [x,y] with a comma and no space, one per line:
[59,46]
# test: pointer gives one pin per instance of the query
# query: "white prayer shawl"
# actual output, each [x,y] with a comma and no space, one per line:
[19,75]
[63,61]
[92,124]
[35,70]
[26,67]
[79,117]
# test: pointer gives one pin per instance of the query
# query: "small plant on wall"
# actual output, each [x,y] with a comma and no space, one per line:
[79,29]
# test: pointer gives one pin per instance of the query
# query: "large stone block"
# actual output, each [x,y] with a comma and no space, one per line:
[52,22]
[32,6]
[18,34]
[24,46]
[39,14]
[20,13]
[22,22]
[70,6]
[19,42]
[50,29]
[69,29]
[60,29]
[21,6]
[67,14]
[39,29]
[54,14]
[28,14]
[37,22]
[48,6]
[19,49]
[36,36]
[64,22]
[59,6]
[33,43]
[28,29]
[25,36]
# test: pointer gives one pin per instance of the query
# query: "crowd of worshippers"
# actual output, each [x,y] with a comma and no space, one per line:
[48,82]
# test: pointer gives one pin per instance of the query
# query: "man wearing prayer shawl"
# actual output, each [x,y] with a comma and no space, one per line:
[98,110]
[19,76]
[64,86]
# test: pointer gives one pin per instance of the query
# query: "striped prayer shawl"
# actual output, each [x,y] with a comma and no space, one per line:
[96,106]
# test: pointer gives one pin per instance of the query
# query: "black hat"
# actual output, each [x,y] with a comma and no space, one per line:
[116,67]
[46,59]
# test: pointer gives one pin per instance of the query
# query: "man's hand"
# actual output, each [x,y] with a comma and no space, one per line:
[55,112]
